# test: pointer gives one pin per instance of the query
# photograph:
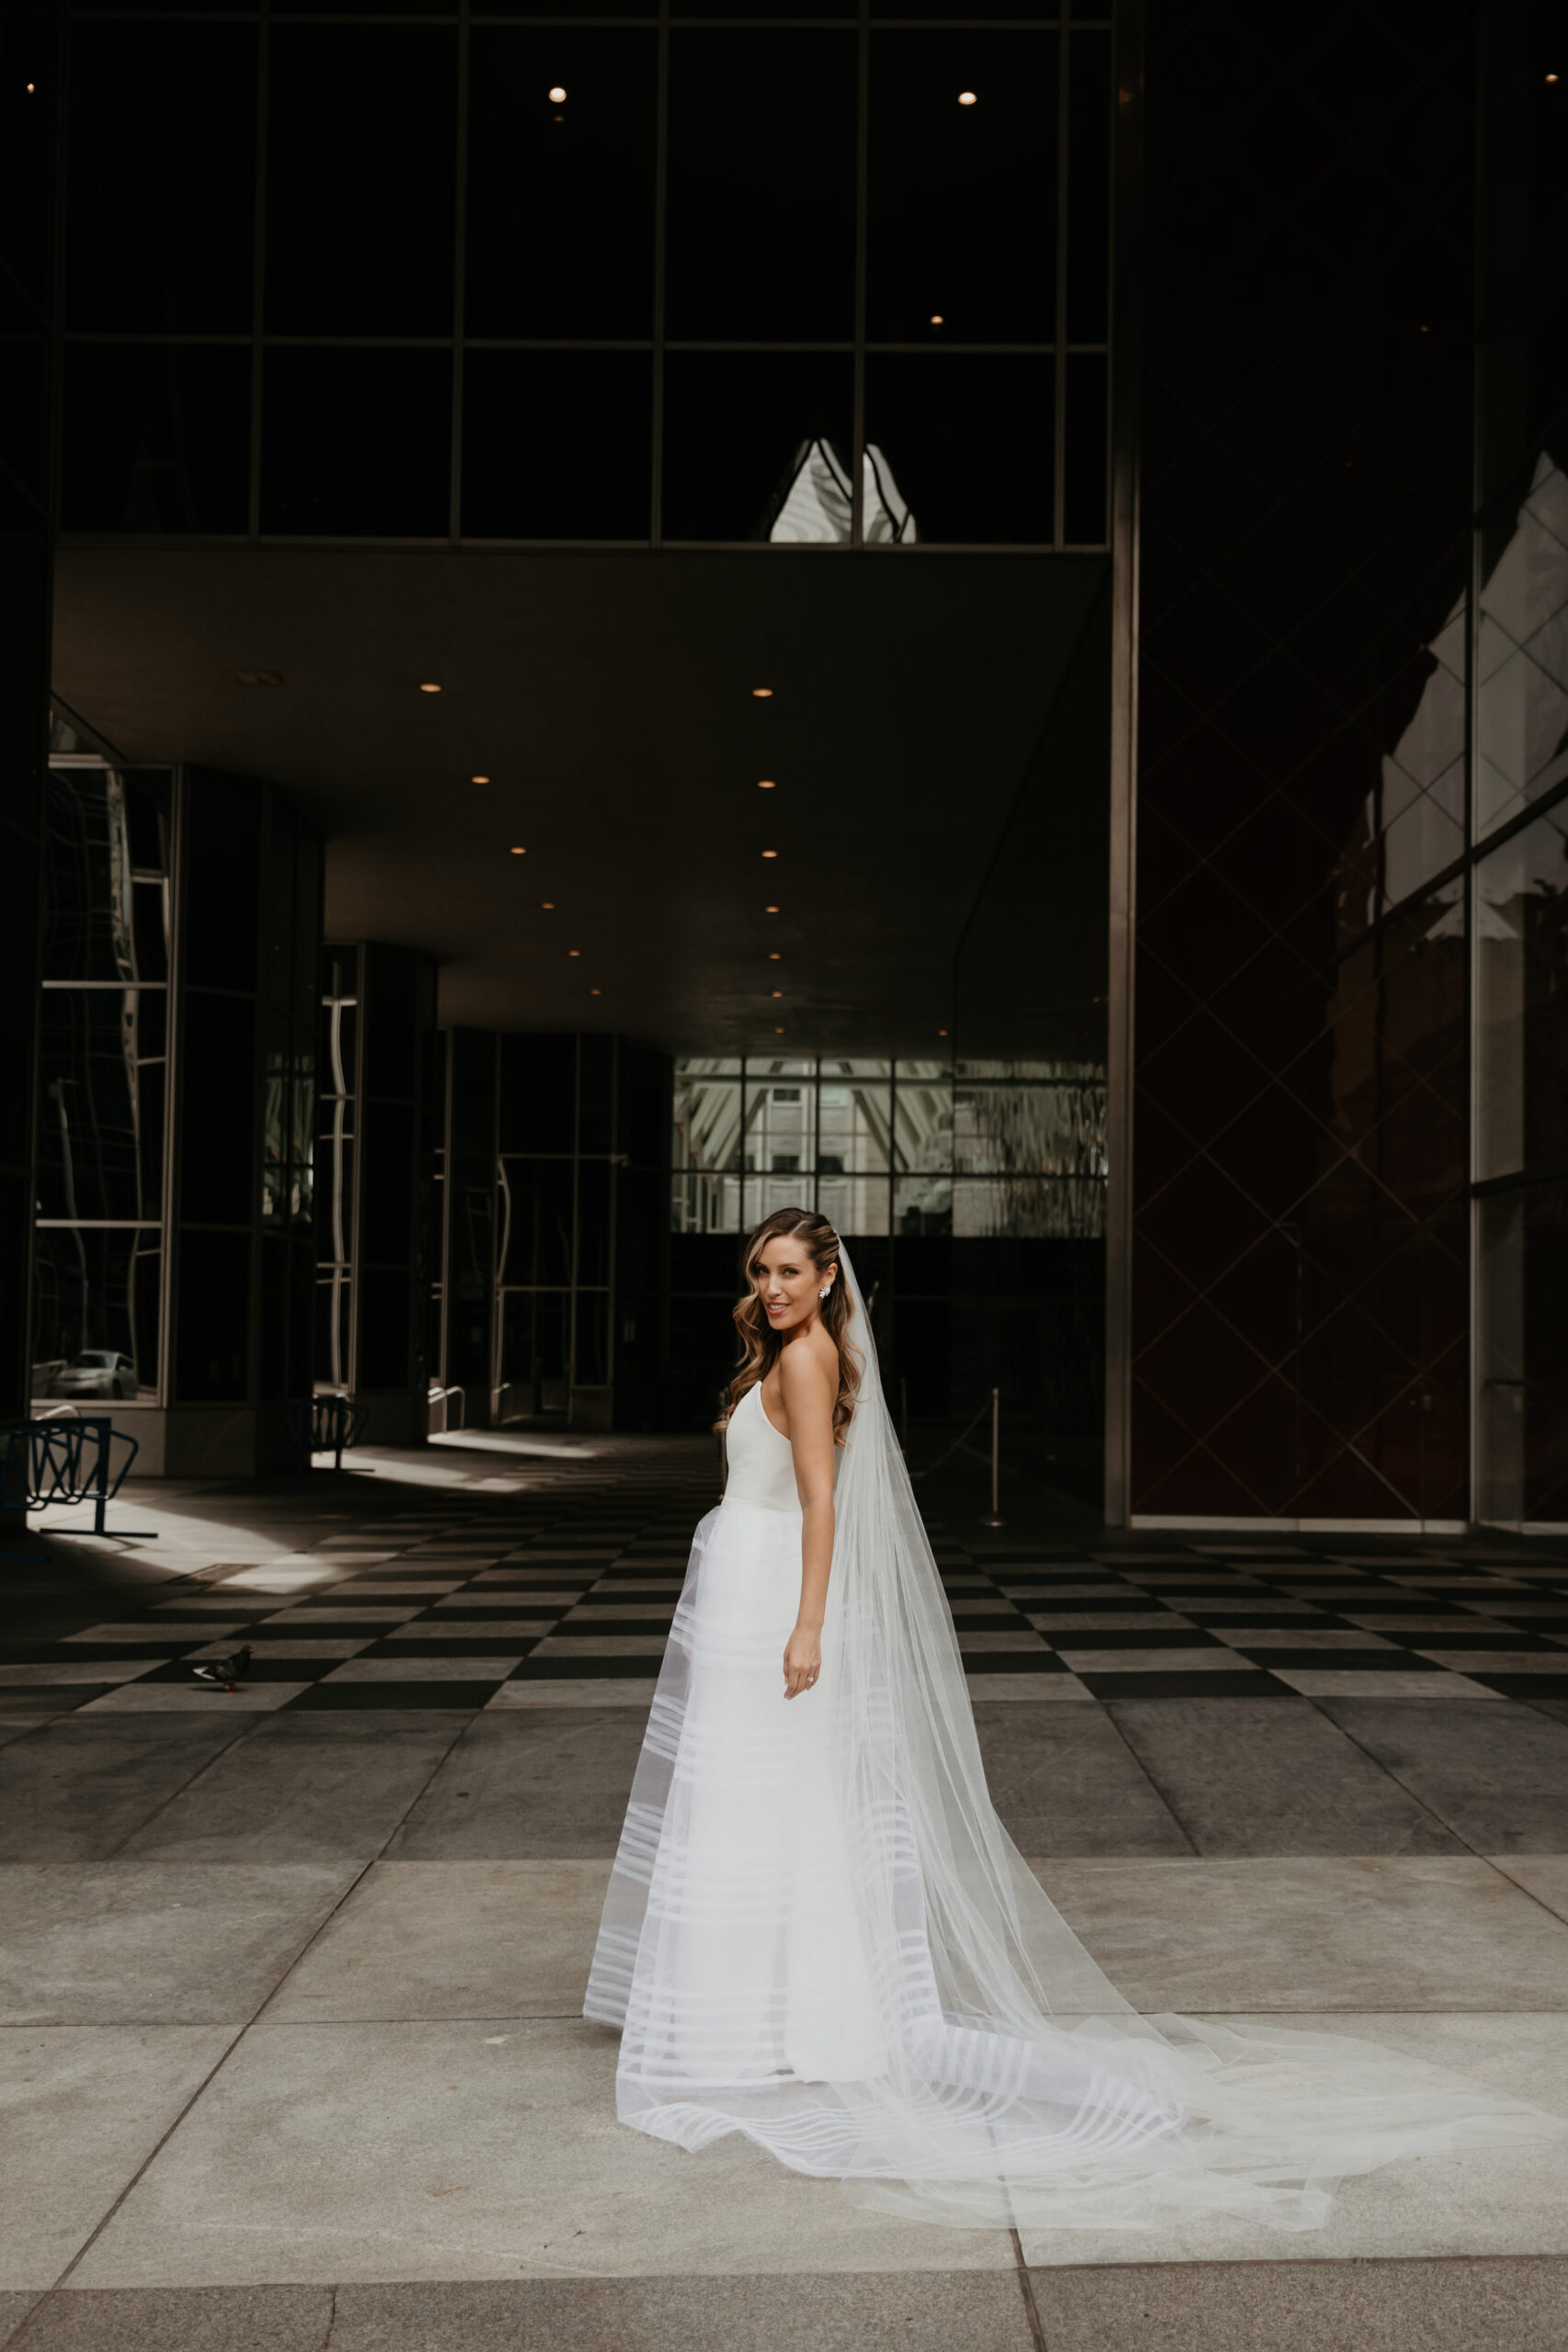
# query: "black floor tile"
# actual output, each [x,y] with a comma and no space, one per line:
[466,1697]
[1174,1683]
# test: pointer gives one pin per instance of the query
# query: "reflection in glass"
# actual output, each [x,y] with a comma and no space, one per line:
[923,1204]
[1521,983]
[106,907]
[778,1136]
[101,1104]
[737,426]
[1412,823]
[96,1313]
[1030,1208]
[1522,657]
[1038,1130]
[817,503]
[335,1264]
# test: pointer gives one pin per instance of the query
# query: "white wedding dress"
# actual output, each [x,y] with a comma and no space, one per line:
[817,1932]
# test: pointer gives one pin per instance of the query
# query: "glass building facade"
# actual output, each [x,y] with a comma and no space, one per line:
[1234,372]
[618,275]
[1346,1078]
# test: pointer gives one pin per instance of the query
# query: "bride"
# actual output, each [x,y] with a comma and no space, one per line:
[818,1933]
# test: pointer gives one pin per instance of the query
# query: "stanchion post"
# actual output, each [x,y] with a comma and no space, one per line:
[994,1517]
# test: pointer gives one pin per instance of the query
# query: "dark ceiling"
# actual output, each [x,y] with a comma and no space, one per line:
[609,698]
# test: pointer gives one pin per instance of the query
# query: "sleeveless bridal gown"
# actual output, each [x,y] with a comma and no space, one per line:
[817,1933]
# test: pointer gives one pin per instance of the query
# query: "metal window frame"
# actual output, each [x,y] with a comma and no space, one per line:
[661,20]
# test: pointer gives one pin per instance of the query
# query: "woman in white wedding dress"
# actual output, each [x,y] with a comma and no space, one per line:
[818,1933]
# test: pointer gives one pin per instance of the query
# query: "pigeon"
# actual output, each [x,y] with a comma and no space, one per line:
[230,1671]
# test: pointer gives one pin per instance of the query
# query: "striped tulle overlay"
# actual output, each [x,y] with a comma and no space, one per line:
[817,1933]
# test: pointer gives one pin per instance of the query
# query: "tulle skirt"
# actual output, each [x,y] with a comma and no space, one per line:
[770,1954]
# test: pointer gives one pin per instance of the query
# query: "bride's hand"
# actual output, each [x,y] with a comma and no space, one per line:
[802,1661]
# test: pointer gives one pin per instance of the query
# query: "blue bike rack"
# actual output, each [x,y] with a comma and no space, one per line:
[58,1465]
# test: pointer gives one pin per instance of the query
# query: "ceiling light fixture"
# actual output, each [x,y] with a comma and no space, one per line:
[778,991]
[479,779]
[766,784]
[574,951]
[769,853]
[519,852]
[549,904]
[761,694]
[771,910]
[778,1033]
[558,97]
[966,97]
[430,690]
[942,1033]
[595,992]
[774,956]
[936,319]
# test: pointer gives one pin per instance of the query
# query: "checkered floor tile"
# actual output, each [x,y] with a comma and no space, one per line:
[481,1601]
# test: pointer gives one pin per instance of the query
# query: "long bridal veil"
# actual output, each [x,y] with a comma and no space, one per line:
[984,2070]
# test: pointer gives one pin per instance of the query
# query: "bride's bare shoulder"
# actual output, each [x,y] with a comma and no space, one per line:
[808,1368]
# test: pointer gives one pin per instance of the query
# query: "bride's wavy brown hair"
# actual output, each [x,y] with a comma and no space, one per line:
[760,1343]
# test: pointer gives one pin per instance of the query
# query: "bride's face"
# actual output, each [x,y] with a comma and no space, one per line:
[787,1281]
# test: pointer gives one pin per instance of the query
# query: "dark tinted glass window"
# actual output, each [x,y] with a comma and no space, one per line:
[761,186]
[738,426]
[1084,522]
[357,441]
[557,444]
[160,190]
[963,197]
[156,437]
[212,1317]
[105,826]
[538,1094]
[362,129]
[219,1166]
[561,195]
[1089,188]
[96,1290]
[970,441]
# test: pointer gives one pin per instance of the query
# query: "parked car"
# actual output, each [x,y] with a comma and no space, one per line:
[97,1371]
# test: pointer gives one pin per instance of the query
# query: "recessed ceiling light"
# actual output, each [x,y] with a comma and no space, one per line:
[769,853]
[574,951]
[549,904]
[778,1033]
[966,97]
[761,694]
[558,97]
[519,852]
[1550,77]
[771,910]
[479,779]
[595,992]
[430,690]
[774,956]
[778,991]
[766,784]
[936,319]
[942,1033]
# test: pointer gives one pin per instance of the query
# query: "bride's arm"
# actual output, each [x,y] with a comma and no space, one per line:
[809,1401]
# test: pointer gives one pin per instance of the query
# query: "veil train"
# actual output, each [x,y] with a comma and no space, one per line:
[818,1933]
